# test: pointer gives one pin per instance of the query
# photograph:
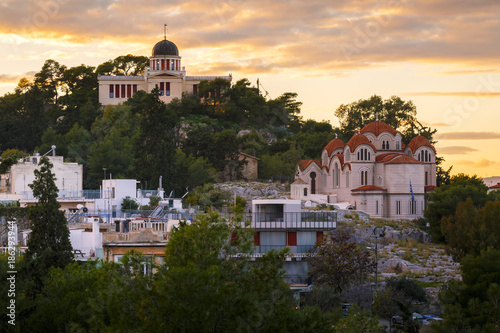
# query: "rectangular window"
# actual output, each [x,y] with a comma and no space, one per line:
[167,88]
[162,64]
[195,89]
[347,179]
[129,91]
[292,238]
[162,88]
[111,91]
[398,207]
[376,207]
[117,90]
[256,238]
[134,88]
[319,237]
[113,194]
[123,90]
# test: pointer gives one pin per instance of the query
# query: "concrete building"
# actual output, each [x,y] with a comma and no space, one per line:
[164,71]
[281,222]
[373,172]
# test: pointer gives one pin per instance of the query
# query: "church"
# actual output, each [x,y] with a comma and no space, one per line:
[165,71]
[373,172]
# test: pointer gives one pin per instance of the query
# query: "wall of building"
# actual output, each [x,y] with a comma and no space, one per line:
[69,176]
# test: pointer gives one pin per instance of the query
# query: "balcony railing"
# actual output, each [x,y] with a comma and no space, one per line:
[301,220]
[296,250]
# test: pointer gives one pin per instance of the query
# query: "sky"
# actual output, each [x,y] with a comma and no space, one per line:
[444,55]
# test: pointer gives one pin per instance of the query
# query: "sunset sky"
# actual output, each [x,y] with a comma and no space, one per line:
[444,55]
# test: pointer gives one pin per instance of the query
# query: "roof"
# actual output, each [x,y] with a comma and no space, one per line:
[299,181]
[403,159]
[378,127]
[495,186]
[165,47]
[359,139]
[304,164]
[418,142]
[369,188]
[430,188]
[334,144]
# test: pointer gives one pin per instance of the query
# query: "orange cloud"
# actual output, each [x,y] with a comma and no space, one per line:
[327,38]
[456,150]
[467,136]
[482,163]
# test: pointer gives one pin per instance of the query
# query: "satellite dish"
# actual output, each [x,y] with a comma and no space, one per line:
[79,206]
[85,209]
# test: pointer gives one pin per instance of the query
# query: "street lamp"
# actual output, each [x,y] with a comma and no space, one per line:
[377,235]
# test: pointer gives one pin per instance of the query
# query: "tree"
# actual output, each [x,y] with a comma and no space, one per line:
[49,79]
[340,262]
[443,201]
[473,305]
[155,144]
[129,204]
[48,244]
[470,230]
[394,111]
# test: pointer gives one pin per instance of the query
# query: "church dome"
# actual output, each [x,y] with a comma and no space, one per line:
[418,142]
[377,127]
[165,48]
[334,144]
[359,139]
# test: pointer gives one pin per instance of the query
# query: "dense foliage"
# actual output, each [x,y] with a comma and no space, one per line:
[205,284]
[144,138]
[443,201]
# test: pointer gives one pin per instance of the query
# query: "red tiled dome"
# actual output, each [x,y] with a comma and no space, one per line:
[378,127]
[359,139]
[334,144]
[418,142]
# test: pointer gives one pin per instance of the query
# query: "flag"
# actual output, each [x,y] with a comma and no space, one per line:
[411,191]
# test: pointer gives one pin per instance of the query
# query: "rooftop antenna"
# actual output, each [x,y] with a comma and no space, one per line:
[165,31]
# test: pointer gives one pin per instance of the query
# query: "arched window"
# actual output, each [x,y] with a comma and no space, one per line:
[426,178]
[364,178]
[313,182]
[387,145]
[366,154]
[383,144]
[358,156]
[369,156]
[337,175]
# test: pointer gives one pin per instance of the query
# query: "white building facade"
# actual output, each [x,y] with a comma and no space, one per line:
[374,172]
[164,71]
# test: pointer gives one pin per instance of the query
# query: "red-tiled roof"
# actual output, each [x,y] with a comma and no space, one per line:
[369,188]
[429,188]
[418,142]
[359,139]
[303,164]
[385,157]
[403,159]
[495,186]
[378,127]
[299,181]
[348,164]
[334,144]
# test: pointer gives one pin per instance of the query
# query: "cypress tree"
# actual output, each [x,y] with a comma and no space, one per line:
[49,244]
